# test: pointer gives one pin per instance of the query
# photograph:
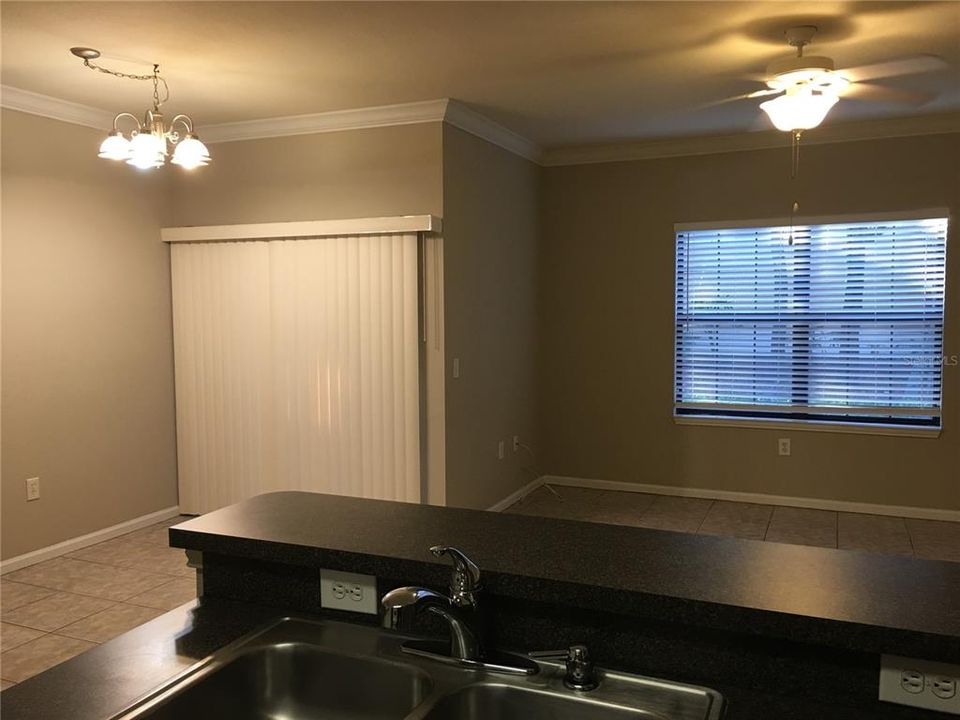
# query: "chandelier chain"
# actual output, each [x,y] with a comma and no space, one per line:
[155,76]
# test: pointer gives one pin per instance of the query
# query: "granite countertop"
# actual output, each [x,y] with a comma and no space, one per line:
[101,682]
[842,598]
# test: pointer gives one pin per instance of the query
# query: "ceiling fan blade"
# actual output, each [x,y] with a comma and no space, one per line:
[883,93]
[764,92]
[895,68]
[737,98]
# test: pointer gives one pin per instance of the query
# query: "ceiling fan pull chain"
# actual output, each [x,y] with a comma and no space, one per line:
[794,171]
[793,212]
[795,155]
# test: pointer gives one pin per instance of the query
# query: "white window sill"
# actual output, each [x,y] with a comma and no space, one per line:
[809,425]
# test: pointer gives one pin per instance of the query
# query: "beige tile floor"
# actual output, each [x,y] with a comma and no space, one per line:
[929,539]
[59,608]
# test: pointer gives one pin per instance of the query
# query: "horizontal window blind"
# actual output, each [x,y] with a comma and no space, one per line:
[838,322]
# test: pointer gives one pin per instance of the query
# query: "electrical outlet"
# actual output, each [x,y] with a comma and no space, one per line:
[456,368]
[33,489]
[501,452]
[348,591]
[783,446]
[920,683]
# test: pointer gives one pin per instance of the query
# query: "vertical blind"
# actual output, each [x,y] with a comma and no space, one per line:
[838,322]
[297,367]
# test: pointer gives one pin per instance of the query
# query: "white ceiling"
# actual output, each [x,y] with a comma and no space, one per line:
[558,73]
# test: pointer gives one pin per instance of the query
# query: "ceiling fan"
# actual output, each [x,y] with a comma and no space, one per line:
[807,86]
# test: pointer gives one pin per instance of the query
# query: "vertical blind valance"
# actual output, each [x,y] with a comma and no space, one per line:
[839,321]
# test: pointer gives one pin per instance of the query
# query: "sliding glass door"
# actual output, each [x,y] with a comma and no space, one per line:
[297,367]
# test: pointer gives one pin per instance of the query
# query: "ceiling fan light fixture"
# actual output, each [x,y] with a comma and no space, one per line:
[800,109]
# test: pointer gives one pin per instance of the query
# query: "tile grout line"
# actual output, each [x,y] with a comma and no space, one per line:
[125,567]
[42,634]
[766,530]
[54,631]
[704,518]
[98,642]
[647,509]
[83,560]
[166,580]
[906,526]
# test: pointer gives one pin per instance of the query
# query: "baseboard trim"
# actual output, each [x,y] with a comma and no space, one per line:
[516,495]
[78,543]
[757,498]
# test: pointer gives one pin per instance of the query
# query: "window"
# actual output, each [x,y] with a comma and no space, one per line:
[830,323]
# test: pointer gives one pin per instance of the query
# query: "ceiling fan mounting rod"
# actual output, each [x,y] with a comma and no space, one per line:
[800,36]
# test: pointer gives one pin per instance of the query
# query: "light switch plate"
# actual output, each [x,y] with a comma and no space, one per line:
[920,683]
[348,591]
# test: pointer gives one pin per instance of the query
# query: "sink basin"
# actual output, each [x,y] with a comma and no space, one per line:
[293,681]
[299,669]
[482,702]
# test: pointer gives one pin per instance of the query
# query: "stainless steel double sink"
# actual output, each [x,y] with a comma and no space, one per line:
[299,669]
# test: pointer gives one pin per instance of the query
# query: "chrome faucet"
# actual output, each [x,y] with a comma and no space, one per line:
[460,610]
[400,606]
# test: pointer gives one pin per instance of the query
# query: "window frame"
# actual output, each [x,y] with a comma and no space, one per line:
[753,418]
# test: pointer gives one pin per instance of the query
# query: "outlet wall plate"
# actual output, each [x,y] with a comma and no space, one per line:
[352,592]
[920,683]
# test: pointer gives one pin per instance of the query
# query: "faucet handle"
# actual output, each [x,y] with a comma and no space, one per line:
[465,579]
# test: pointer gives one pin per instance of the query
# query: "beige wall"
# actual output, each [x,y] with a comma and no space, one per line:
[357,173]
[606,268]
[88,401]
[87,366]
[564,339]
[490,200]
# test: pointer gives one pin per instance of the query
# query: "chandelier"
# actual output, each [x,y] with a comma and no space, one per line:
[148,143]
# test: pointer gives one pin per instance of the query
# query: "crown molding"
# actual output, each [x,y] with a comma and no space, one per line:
[445,110]
[462,116]
[46,106]
[333,121]
[713,144]
[469,120]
